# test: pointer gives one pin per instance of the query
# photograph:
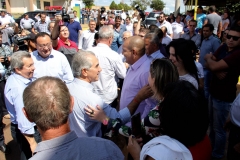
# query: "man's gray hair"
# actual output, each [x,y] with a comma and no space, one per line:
[17,57]
[153,38]
[81,61]
[106,32]
[129,32]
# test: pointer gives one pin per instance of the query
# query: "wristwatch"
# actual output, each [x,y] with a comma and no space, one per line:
[105,121]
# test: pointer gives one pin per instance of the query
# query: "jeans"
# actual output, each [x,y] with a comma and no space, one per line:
[1,128]
[218,111]
[24,146]
[207,78]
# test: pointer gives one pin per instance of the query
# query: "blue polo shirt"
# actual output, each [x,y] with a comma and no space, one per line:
[73,30]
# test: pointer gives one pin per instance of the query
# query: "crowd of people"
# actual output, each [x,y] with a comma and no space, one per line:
[69,90]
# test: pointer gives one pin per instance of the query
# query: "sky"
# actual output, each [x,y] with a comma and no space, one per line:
[169,8]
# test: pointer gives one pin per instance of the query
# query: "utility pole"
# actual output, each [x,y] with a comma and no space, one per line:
[177,7]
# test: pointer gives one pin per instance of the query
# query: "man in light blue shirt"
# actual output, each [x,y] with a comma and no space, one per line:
[21,129]
[209,45]
[200,17]
[151,42]
[27,23]
[49,62]
[86,70]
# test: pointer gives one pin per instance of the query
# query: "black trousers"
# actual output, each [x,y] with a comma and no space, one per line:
[1,128]
[233,139]
[24,146]
[2,100]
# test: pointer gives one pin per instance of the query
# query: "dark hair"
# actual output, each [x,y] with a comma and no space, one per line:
[159,33]
[183,113]
[41,34]
[184,52]
[212,8]
[210,26]
[96,37]
[162,13]
[235,28]
[103,18]
[193,48]
[118,17]
[200,7]
[128,18]
[60,26]
[193,21]
[164,72]
[145,30]
[152,27]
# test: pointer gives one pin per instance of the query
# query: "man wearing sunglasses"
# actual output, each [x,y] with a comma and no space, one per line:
[225,67]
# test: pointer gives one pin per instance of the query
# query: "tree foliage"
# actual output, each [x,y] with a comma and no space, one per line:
[119,6]
[141,3]
[88,3]
[157,5]
[113,5]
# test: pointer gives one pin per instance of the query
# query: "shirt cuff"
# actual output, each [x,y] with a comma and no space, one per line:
[125,115]
[27,131]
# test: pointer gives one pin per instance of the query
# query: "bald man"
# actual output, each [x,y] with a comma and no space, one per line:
[166,38]
[125,36]
[137,75]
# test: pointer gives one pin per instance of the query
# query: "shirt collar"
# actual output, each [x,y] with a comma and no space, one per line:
[102,45]
[154,54]
[83,83]
[139,62]
[210,37]
[56,142]
[22,79]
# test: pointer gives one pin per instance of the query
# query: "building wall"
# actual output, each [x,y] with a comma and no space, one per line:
[19,6]
[58,2]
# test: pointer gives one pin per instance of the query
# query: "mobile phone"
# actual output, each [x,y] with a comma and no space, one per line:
[136,125]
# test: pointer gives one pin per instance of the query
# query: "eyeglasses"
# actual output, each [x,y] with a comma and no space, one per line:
[124,38]
[42,46]
[235,38]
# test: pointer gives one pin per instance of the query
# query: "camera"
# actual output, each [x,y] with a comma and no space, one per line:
[141,13]
[102,10]
[19,41]
[65,16]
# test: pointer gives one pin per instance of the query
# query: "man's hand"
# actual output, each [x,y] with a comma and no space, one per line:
[31,141]
[220,75]
[208,56]
[144,93]
[237,147]
[134,148]
[139,18]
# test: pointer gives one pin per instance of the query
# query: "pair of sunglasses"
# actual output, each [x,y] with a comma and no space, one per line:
[235,38]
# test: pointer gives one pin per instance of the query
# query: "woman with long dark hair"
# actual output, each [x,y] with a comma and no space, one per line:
[182,57]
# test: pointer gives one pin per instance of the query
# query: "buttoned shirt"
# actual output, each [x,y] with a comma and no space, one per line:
[42,26]
[177,29]
[6,19]
[167,25]
[86,39]
[55,65]
[136,78]
[196,38]
[69,146]
[156,55]
[235,110]
[13,92]
[129,27]
[80,122]
[209,45]
[112,68]
[26,23]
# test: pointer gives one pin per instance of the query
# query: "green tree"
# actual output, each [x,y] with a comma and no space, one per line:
[113,5]
[157,5]
[120,6]
[141,3]
[88,3]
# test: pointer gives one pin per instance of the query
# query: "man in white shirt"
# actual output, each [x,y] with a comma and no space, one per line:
[177,27]
[5,20]
[87,37]
[111,64]
[162,22]
[166,38]
[123,15]
[94,14]
[76,18]
[129,25]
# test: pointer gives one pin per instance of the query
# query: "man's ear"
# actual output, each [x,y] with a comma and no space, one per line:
[25,113]
[71,104]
